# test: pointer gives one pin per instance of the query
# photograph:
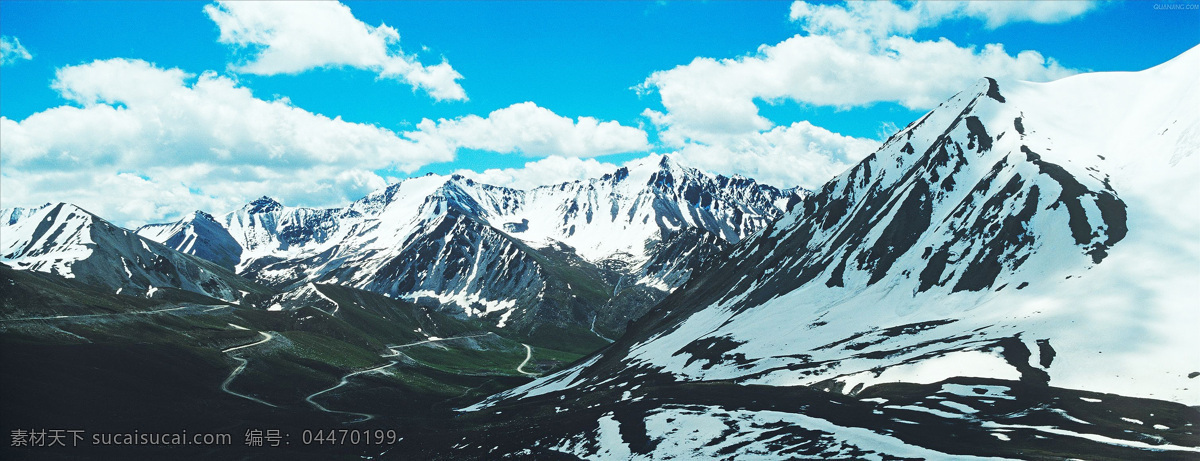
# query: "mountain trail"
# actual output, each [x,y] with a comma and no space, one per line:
[242,366]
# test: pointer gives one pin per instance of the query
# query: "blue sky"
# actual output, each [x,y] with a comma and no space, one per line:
[143,111]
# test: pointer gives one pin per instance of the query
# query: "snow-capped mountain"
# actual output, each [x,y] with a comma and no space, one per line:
[266,228]
[1025,242]
[198,234]
[643,204]
[10,216]
[556,253]
[66,240]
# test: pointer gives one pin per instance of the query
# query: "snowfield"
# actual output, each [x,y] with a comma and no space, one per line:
[1040,232]
[1077,286]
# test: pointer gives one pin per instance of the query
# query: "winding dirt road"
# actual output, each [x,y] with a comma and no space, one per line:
[84,316]
[528,355]
[345,379]
[242,366]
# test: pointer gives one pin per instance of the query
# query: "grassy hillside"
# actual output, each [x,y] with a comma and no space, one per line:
[79,358]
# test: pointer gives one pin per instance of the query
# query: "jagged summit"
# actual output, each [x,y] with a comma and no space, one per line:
[198,234]
[203,216]
[1013,275]
[1016,268]
[66,240]
[263,204]
[493,251]
[10,216]
[979,241]
[646,169]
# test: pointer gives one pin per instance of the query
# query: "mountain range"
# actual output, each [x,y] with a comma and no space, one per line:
[1018,268]
[63,239]
[524,260]
[1013,275]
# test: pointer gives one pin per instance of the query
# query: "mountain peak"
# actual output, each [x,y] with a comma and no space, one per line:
[616,176]
[651,170]
[460,178]
[263,204]
[665,162]
[993,89]
[672,164]
[71,208]
[10,216]
[200,215]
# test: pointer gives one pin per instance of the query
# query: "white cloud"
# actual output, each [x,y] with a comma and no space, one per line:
[292,37]
[144,143]
[799,154]
[851,58]
[547,171]
[852,55]
[11,51]
[164,193]
[530,130]
[719,96]
[885,18]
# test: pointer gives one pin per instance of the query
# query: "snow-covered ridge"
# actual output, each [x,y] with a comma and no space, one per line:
[47,239]
[66,240]
[637,232]
[10,216]
[198,234]
[1042,232]
[641,203]
[264,227]
[461,242]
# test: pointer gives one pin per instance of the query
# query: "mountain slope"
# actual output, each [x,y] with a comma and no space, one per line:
[266,228]
[1027,238]
[10,216]
[66,240]
[642,203]
[84,356]
[520,258]
[972,238]
[197,234]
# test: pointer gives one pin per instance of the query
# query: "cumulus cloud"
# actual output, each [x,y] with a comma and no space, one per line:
[292,37]
[885,18]
[720,96]
[143,143]
[11,51]
[547,171]
[534,131]
[799,154]
[851,55]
